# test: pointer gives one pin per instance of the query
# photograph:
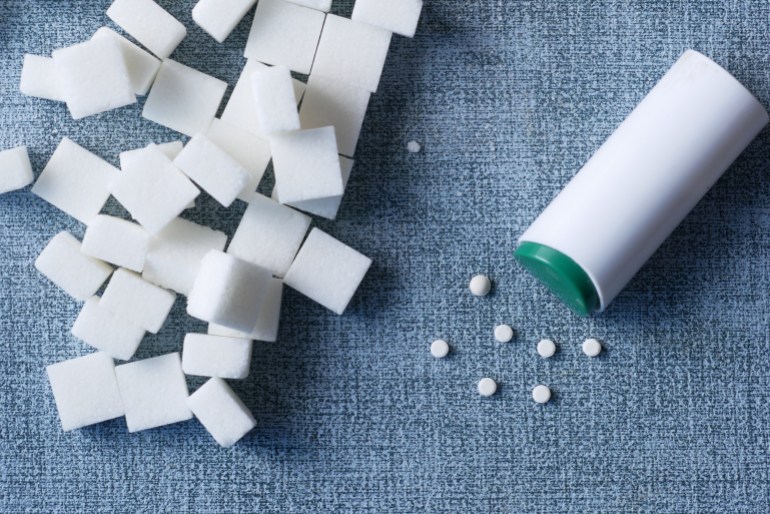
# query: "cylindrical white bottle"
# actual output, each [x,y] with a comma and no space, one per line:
[613,215]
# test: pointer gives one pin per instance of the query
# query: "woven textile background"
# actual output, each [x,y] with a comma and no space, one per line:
[509,98]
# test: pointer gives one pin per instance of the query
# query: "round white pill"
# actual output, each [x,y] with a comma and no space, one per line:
[546,348]
[439,348]
[413,147]
[480,285]
[503,333]
[487,387]
[541,394]
[592,347]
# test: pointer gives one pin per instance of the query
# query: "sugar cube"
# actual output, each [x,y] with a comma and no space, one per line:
[116,241]
[93,77]
[175,254]
[219,17]
[151,188]
[148,23]
[183,99]
[154,392]
[85,390]
[319,5]
[171,149]
[140,65]
[137,300]
[228,291]
[269,235]
[214,356]
[15,169]
[79,275]
[352,53]
[75,181]
[39,78]
[325,207]
[269,317]
[327,271]
[221,412]
[398,16]
[274,100]
[306,165]
[106,331]
[212,169]
[284,33]
[252,152]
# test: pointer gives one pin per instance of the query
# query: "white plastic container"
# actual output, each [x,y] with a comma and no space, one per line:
[635,190]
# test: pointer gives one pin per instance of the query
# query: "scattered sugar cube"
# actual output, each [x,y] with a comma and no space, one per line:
[140,65]
[480,285]
[284,33]
[253,153]
[327,271]
[352,53]
[269,235]
[546,348]
[228,291]
[274,100]
[116,241]
[137,301]
[306,165]
[39,78]
[503,333]
[106,331]
[212,169]
[398,16]
[413,147]
[439,348]
[214,356]
[175,254]
[330,102]
[151,188]
[268,321]
[15,169]
[148,23]
[79,275]
[93,77]
[183,99]
[541,394]
[171,149]
[221,412]
[85,390]
[75,181]
[154,392]
[319,5]
[219,17]
[592,347]
[487,387]
[325,207]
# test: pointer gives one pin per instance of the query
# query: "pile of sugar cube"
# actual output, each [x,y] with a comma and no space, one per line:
[159,254]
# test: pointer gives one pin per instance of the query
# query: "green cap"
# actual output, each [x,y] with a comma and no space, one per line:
[568,281]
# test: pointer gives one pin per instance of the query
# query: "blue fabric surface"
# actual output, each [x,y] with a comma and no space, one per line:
[509,99]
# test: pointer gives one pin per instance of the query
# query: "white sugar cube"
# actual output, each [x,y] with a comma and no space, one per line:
[39,78]
[253,153]
[79,275]
[351,52]
[175,254]
[221,412]
[327,271]
[151,188]
[228,291]
[85,390]
[170,149]
[183,99]
[116,241]
[76,181]
[329,102]
[274,100]
[320,5]
[140,65]
[15,169]
[154,392]
[284,33]
[399,16]
[219,17]
[212,169]
[269,317]
[326,207]
[93,77]
[269,235]
[137,300]
[106,331]
[148,23]
[214,356]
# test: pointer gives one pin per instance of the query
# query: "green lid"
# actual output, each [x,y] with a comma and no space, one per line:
[562,275]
